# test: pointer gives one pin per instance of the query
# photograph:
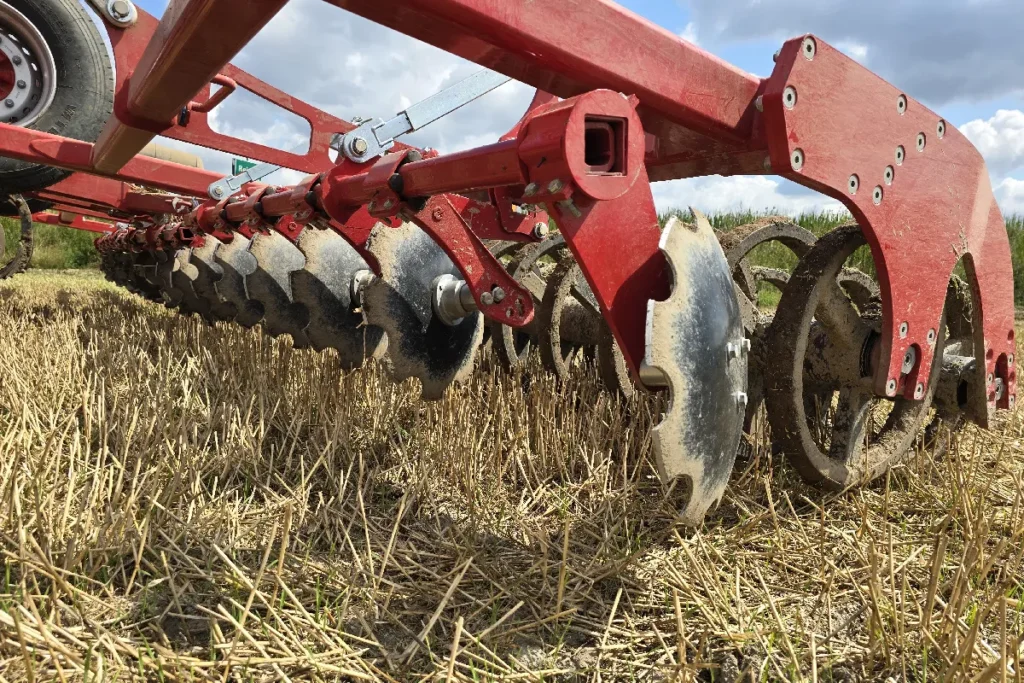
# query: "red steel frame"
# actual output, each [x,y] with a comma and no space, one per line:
[688,113]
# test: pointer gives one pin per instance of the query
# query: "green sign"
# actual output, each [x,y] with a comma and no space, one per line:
[239,165]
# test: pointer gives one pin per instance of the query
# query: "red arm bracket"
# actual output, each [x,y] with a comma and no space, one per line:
[918,188]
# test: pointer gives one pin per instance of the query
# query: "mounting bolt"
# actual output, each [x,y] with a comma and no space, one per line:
[901,104]
[388,204]
[901,154]
[499,294]
[797,159]
[737,348]
[854,183]
[789,97]
[919,391]
[741,399]
[889,174]
[21,84]
[999,388]
[17,60]
[988,379]
[540,230]
[9,103]
[120,9]
[218,192]
[759,103]
[360,145]
[921,140]
[809,48]
[531,189]
[890,387]
[940,128]
[904,329]
[909,359]
[876,195]
[555,186]
[437,214]
[931,336]
[487,299]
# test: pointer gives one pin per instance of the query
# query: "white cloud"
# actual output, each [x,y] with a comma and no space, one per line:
[939,50]
[718,194]
[858,51]
[1000,140]
[689,33]
[1010,196]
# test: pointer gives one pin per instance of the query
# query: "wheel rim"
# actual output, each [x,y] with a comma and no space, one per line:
[831,425]
[27,71]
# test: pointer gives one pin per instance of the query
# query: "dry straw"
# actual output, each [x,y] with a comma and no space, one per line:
[182,502]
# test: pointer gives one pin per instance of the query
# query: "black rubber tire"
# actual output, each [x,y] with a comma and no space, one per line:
[85,86]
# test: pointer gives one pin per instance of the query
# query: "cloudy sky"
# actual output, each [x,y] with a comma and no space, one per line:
[962,58]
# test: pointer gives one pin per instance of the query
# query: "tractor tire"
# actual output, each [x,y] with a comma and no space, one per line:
[84,93]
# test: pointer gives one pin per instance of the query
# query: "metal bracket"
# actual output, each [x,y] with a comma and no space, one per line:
[121,13]
[373,138]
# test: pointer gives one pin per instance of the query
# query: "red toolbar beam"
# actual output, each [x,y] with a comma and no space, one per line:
[687,95]
[193,42]
[43,148]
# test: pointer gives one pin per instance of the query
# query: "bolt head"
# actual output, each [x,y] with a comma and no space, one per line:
[741,399]
[9,103]
[487,298]
[218,192]
[16,60]
[437,214]
[904,329]
[919,391]
[540,230]
[775,57]
[759,103]
[890,387]
[797,159]
[388,203]
[499,294]
[555,186]
[120,9]
[360,146]
[21,84]
[530,189]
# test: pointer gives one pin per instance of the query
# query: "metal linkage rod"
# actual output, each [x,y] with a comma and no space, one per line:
[193,42]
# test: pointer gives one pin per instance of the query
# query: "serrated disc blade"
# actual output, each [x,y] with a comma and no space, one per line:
[324,289]
[236,262]
[165,277]
[208,272]
[687,341]
[270,284]
[399,301]
[183,276]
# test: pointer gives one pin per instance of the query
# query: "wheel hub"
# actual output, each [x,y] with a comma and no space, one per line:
[27,69]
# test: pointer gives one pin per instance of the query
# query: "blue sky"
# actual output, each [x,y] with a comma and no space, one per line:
[962,58]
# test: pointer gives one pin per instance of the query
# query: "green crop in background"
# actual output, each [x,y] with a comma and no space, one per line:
[61,248]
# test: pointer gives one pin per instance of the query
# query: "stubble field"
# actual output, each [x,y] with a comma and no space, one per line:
[181,502]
